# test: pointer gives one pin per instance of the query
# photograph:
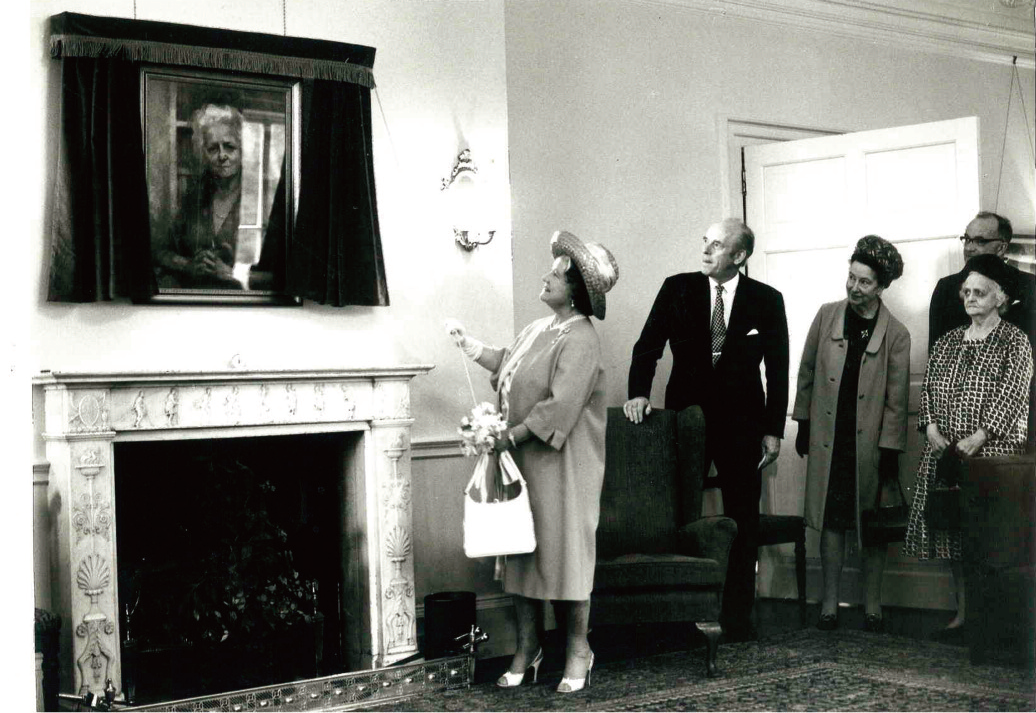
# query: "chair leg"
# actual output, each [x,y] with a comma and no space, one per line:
[712,631]
[800,572]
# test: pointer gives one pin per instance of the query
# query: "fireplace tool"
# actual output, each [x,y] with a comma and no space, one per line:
[472,639]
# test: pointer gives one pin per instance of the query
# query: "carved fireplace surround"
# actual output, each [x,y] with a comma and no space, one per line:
[86,413]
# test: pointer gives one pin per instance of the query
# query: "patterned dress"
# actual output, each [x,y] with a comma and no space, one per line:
[969,384]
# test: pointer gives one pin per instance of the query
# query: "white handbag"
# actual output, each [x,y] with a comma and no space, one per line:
[503,527]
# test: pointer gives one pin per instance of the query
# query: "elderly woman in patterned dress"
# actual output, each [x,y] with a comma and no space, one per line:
[551,386]
[974,399]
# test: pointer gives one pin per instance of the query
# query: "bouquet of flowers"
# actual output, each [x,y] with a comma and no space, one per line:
[480,430]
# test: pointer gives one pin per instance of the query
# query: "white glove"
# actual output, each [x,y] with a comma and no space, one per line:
[471,347]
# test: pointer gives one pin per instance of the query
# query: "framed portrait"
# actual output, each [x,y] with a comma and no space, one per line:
[222,164]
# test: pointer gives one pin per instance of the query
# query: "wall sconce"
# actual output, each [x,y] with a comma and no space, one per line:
[468,204]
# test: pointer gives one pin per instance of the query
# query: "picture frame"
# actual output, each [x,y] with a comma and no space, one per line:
[222,167]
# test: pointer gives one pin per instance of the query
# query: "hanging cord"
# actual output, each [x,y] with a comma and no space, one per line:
[388,133]
[471,387]
[1025,111]
[1007,124]
[284,17]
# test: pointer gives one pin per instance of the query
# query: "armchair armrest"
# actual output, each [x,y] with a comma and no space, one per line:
[709,537]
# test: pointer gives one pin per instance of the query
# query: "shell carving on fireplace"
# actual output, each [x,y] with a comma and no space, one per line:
[85,414]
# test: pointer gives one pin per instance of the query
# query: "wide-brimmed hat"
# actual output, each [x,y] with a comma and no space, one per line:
[595,263]
[995,269]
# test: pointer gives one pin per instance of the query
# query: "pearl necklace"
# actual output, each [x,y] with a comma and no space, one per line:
[976,335]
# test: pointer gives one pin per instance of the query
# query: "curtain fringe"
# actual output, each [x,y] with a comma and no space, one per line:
[209,57]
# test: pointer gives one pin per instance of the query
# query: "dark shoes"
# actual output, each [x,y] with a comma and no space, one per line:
[873,623]
[828,622]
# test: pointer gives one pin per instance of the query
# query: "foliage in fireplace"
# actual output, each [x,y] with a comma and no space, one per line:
[227,566]
[233,574]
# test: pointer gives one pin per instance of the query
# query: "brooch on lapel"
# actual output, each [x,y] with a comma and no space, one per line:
[561,332]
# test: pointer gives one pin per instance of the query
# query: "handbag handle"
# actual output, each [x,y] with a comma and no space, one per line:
[509,474]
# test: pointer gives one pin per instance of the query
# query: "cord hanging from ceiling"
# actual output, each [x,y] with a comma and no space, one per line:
[1015,79]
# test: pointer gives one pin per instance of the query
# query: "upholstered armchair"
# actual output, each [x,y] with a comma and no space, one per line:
[658,560]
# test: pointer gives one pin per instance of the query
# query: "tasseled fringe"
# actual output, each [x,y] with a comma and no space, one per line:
[210,57]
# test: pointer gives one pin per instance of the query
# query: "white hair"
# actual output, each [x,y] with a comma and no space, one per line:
[209,115]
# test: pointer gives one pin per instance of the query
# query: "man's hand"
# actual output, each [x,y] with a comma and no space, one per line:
[771,449]
[969,446]
[636,409]
[936,440]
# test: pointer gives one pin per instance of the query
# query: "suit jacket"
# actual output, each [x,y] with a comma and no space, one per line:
[946,311]
[731,394]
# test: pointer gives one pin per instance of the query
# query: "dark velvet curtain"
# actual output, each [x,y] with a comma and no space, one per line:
[100,248]
[100,238]
[336,256]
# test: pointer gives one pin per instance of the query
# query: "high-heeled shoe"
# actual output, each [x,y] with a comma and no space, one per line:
[571,685]
[513,680]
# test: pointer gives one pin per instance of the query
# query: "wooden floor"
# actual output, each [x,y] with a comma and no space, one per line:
[773,616]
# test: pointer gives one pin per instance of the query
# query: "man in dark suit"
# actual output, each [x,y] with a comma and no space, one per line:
[720,325]
[986,234]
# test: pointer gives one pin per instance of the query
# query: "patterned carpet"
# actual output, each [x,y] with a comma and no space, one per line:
[805,670]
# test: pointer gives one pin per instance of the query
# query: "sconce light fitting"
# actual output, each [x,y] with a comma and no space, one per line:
[468,203]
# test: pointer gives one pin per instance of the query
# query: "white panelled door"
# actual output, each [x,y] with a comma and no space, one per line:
[808,202]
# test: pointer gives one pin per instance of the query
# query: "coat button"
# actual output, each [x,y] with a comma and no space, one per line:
[859,430]
[861,396]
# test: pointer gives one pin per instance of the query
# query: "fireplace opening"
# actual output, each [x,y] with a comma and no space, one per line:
[232,559]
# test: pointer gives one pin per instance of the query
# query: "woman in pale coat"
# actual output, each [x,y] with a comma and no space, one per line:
[551,386]
[851,406]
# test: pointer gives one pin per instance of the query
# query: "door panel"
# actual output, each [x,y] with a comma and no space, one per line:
[808,202]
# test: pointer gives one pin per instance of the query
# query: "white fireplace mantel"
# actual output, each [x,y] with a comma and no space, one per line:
[85,414]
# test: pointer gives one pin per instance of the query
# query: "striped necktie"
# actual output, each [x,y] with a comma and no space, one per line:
[719,329]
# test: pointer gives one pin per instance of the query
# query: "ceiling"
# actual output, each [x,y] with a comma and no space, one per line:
[987,30]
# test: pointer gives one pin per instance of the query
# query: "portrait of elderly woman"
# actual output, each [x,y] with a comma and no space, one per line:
[215,163]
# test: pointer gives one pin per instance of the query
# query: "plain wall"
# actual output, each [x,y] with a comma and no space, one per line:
[616,111]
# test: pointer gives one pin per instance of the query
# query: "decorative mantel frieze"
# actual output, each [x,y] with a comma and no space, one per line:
[86,413]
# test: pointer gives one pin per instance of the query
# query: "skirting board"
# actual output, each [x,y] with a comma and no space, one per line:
[904,584]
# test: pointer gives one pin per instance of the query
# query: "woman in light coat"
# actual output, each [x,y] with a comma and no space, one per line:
[851,406]
[550,382]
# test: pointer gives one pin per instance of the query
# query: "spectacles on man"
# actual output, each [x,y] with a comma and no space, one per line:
[981,242]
